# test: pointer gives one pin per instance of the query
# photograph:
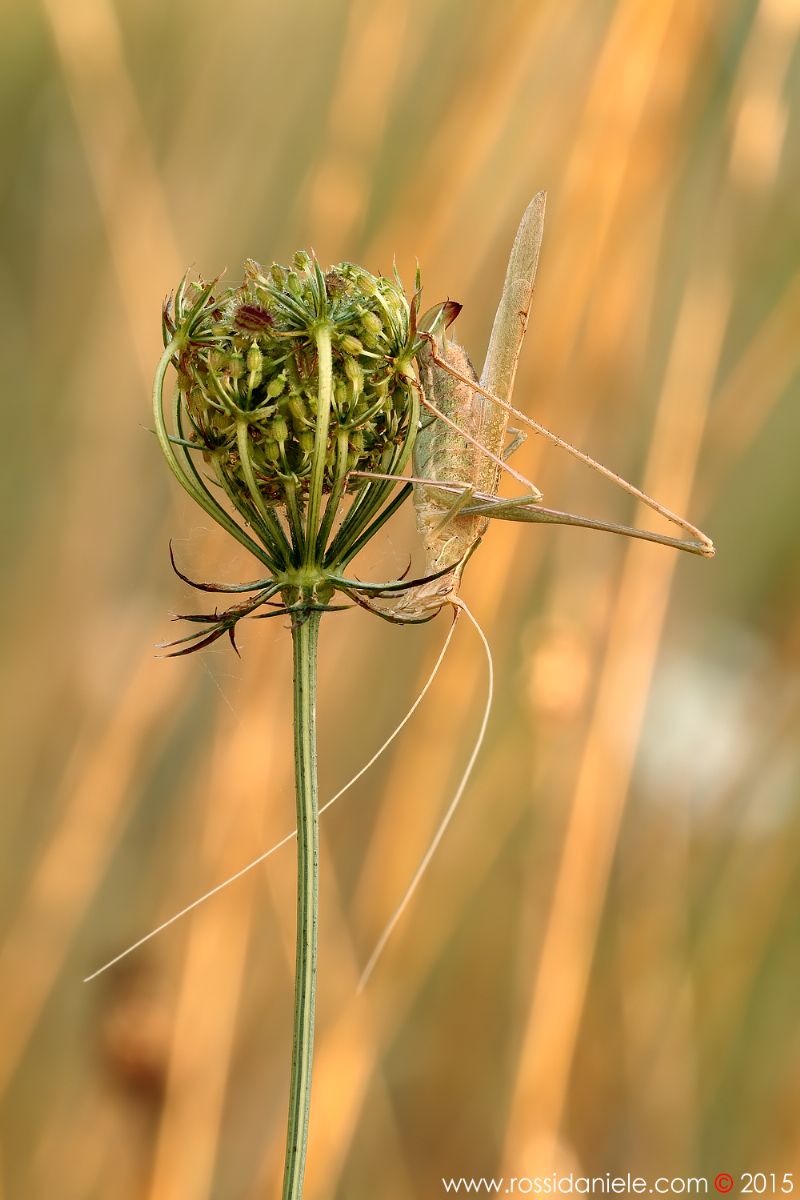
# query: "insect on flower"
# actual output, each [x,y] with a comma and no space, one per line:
[460,455]
[301,398]
[256,429]
[461,450]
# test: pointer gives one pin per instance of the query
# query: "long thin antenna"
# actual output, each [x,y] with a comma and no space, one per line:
[289,836]
[448,816]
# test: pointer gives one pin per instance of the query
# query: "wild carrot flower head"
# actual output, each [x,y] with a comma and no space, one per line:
[294,417]
[249,376]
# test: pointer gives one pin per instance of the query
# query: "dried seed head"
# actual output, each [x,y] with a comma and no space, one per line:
[249,375]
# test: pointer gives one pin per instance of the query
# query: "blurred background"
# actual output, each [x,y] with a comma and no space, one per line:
[600,971]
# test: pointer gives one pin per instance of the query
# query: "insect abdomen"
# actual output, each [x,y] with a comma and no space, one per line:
[443,454]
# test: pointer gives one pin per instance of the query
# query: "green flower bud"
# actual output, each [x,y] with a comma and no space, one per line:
[297,408]
[236,365]
[279,429]
[371,322]
[366,283]
[351,345]
[354,373]
[255,359]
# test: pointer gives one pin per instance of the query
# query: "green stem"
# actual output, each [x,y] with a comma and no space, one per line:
[322,337]
[336,493]
[305,631]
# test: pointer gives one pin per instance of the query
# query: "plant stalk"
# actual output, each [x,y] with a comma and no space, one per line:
[305,632]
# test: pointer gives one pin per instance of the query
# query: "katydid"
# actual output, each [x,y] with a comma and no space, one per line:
[458,460]
[460,448]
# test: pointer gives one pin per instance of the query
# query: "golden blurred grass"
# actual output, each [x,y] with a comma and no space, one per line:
[601,967]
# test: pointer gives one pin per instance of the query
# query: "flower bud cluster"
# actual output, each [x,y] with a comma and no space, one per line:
[250,370]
